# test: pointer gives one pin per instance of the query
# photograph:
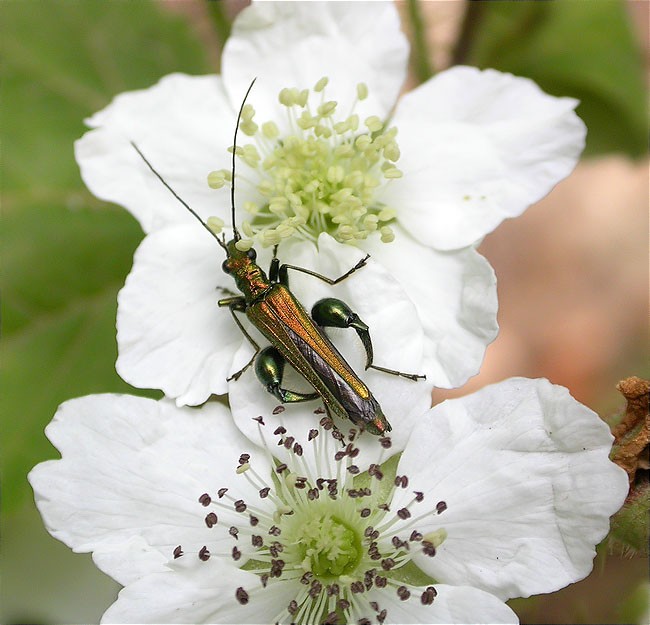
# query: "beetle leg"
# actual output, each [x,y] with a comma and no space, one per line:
[334,313]
[274,270]
[238,304]
[269,368]
[284,277]
[235,302]
[275,265]
[411,376]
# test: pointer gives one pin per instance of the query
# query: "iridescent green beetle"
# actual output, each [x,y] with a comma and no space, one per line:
[295,336]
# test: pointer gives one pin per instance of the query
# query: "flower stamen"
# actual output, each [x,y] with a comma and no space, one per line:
[323,176]
[324,537]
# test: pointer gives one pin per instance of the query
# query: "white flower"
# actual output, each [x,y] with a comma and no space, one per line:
[473,147]
[500,494]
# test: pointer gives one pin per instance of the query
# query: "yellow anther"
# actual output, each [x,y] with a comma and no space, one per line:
[341,128]
[216,179]
[354,179]
[249,128]
[270,130]
[327,108]
[215,224]
[346,233]
[335,173]
[370,222]
[286,97]
[321,84]
[374,124]
[250,155]
[285,231]
[387,234]
[321,178]
[362,91]
[386,214]
[298,220]
[311,186]
[362,142]
[437,537]
[306,121]
[265,187]
[344,150]
[391,151]
[278,204]
[371,181]
[243,245]
[342,195]
[294,199]
[248,112]
[270,237]
[247,229]
[270,161]
[302,97]
[322,131]
[392,172]
[323,208]
[391,133]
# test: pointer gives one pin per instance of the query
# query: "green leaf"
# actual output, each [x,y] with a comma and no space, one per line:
[65,254]
[635,607]
[629,525]
[586,50]
[63,272]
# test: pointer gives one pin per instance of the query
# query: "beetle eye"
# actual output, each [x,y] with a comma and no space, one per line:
[252,254]
[225,266]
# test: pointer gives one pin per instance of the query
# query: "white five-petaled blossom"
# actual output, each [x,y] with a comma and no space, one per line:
[500,494]
[326,155]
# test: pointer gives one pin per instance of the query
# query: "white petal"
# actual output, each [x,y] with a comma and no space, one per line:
[171,333]
[131,473]
[478,147]
[294,44]
[525,473]
[183,125]
[452,604]
[203,592]
[396,335]
[456,300]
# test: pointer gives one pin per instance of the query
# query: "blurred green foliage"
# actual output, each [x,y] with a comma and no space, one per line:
[586,50]
[65,255]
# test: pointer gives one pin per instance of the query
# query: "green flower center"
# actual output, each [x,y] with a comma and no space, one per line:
[332,547]
[323,176]
[328,547]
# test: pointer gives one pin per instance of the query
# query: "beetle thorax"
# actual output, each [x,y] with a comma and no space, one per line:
[251,280]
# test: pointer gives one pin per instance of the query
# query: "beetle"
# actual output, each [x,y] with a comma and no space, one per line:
[295,336]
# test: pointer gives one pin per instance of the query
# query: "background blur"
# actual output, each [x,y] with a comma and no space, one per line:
[573,271]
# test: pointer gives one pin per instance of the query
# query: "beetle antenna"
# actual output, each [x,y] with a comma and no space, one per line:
[235,232]
[178,197]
